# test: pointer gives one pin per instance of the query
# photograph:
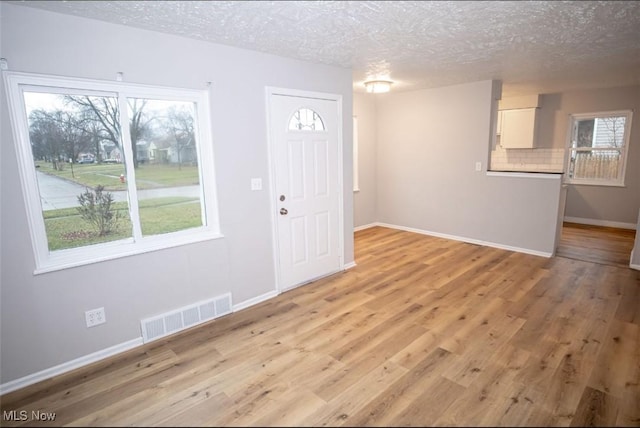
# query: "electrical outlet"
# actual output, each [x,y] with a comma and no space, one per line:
[95,317]
[478,166]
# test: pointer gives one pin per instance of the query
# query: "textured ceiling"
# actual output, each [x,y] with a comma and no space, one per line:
[532,46]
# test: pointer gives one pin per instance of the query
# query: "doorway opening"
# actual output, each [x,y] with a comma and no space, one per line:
[597,244]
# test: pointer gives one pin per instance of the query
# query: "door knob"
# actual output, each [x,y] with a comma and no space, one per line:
[283,211]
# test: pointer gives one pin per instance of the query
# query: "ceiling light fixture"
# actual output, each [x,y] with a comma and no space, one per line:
[378,86]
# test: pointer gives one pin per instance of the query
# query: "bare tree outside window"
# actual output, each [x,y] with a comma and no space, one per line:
[615,130]
[168,153]
[180,125]
[104,119]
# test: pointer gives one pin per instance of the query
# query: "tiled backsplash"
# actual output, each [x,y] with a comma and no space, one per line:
[530,160]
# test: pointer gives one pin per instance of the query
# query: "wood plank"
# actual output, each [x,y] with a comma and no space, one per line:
[617,371]
[197,415]
[596,409]
[360,363]
[483,396]
[385,409]
[629,309]
[351,399]
[430,405]
[291,410]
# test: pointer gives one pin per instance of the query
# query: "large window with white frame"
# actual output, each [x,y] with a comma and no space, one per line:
[597,148]
[111,169]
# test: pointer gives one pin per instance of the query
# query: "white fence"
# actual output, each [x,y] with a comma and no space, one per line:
[594,165]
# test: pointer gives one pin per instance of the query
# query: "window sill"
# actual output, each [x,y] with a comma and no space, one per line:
[75,257]
[593,183]
[548,175]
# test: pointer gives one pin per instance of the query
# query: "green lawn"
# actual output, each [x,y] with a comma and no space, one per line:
[164,215]
[148,176]
[66,229]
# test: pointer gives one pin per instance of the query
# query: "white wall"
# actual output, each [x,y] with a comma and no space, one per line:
[364,201]
[42,317]
[428,143]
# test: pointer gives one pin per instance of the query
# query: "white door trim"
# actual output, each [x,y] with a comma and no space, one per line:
[269,92]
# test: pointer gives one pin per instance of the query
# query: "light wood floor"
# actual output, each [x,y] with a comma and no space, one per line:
[424,331]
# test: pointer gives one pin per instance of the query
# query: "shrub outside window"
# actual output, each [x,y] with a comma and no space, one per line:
[111,169]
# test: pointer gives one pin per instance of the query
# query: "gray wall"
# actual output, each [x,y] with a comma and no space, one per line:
[602,203]
[635,260]
[428,142]
[364,201]
[42,317]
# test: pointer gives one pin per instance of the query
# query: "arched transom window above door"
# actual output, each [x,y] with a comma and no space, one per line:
[305,119]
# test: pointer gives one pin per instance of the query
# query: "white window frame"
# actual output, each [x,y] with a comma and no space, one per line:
[46,261]
[618,181]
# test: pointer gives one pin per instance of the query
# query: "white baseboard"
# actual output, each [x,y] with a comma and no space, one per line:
[596,222]
[469,240]
[365,226]
[255,300]
[349,265]
[69,365]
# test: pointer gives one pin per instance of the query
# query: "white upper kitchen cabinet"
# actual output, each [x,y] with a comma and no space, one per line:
[518,128]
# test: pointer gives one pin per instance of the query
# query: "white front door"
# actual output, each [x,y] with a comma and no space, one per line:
[305,160]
